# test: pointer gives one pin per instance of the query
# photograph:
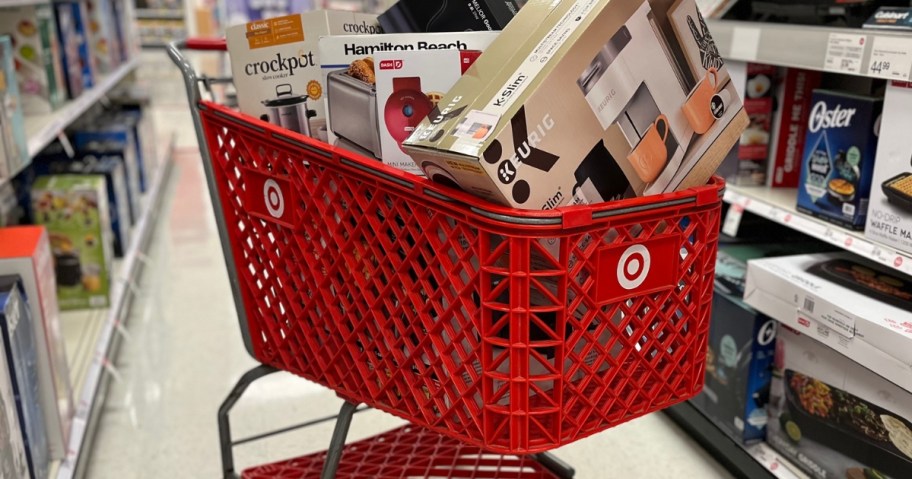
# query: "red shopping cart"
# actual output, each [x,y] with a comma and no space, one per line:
[511,331]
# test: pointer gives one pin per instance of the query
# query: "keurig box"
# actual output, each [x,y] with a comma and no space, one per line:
[419,16]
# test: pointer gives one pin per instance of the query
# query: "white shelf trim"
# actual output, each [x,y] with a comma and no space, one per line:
[779,205]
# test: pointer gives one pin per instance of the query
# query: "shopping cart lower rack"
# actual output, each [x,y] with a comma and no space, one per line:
[512,331]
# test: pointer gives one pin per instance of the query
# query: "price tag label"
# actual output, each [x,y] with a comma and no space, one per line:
[733,220]
[891,58]
[844,53]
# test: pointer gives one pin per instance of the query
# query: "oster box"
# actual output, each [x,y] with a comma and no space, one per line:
[795,108]
[840,148]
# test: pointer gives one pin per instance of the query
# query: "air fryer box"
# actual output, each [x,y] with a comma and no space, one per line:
[839,153]
[632,85]
[73,32]
[17,337]
[853,306]
[834,418]
[276,66]
[74,209]
[740,353]
[37,53]
[890,210]
[26,252]
[421,16]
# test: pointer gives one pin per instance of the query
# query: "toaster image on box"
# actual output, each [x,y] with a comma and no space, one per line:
[352,106]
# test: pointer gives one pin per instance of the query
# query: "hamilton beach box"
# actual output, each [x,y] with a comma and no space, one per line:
[610,99]
[276,67]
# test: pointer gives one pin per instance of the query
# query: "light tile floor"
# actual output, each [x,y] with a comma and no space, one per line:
[184,353]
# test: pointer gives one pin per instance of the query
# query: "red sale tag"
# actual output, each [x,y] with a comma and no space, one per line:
[633,270]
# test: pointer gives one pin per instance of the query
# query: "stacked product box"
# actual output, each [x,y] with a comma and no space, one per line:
[276,66]
[72,30]
[791,124]
[110,136]
[75,211]
[17,337]
[37,54]
[841,145]
[27,254]
[13,141]
[104,45]
[636,86]
[381,86]
[421,16]
[890,215]
[754,150]
[13,457]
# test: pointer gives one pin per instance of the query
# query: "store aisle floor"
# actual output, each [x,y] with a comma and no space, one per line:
[183,353]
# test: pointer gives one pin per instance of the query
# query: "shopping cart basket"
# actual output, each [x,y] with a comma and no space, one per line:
[510,330]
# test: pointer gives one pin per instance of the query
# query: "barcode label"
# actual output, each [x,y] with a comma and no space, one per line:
[809,305]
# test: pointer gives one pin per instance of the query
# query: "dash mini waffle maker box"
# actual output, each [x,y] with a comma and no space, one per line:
[276,66]
[839,154]
[409,85]
[834,418]
[890,211]
[74,209]
[37,53]
[635,89]
[26,253]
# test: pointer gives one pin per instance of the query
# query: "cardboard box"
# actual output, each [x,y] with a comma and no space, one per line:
[349,74]
[13,141]
[794,111]
[27,254]
[839,158]
[809,293]
[621,83]
[110,137]
[104,45]
[754,150]
[13,459]
[890,215]
[37,55]
[409,85]
[72,30]
[421,16]
[276,66]
[740,353]
[834,418]
[17,337]
[74,208]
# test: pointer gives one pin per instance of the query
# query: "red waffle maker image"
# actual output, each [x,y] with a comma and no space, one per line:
[405,108]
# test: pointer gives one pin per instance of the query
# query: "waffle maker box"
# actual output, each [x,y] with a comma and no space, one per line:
[839,153]
[355,112]
[409,85]
[609,99]
[276,66]
[26,252]
[890,210]
[834,418]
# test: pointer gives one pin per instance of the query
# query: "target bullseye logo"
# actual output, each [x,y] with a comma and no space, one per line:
[634,266]
[275,200]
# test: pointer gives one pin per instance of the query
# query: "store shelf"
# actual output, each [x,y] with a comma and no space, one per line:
[92,338]
[43,129]
[159,14]
[19,3]
[779,205]
[757,461]
[805,46]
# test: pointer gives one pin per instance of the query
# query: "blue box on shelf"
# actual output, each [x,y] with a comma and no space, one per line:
[839,154]
[72,29]
[109,138]
[17,337]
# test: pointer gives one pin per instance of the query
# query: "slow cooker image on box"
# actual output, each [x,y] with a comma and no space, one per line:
[289,110]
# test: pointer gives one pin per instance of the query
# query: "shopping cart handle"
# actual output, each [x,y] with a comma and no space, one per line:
[209,44]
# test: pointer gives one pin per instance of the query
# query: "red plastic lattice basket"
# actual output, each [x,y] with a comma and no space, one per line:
[514,331]
[407,452]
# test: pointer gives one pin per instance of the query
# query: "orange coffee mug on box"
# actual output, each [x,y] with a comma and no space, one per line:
[650,156]
[697,107]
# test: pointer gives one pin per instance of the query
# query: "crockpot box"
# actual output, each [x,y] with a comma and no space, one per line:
[421,16]
[37,53]
[353,110]
[26,253]
[276,66]
[839,153]
[890,210]
[637,86]
[74,209]
[834,418]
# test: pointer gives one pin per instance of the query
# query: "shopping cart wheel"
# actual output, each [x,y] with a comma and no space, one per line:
[554,464]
